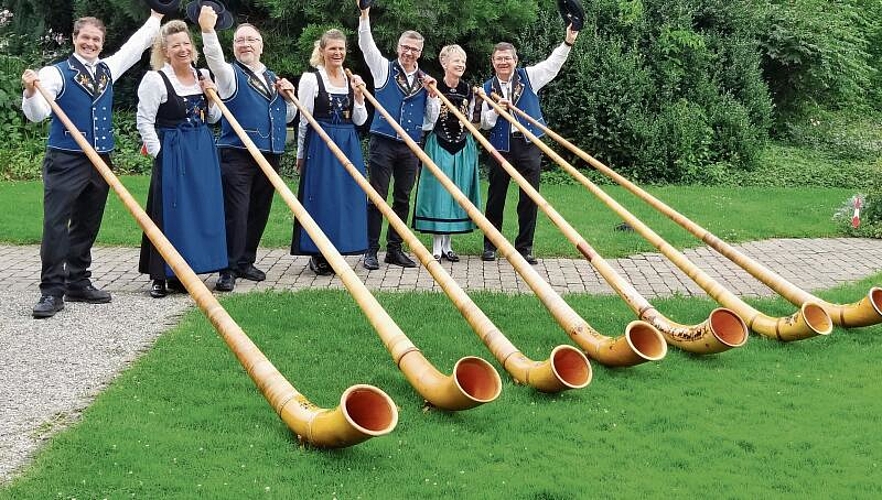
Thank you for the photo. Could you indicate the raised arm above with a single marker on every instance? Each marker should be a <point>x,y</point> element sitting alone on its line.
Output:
<point>130,52</point>
<point>547,70</point>
<point>378,64</point>
<point>224,75</point>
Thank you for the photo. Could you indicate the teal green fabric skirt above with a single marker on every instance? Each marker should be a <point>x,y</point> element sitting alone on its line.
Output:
<point>435,210</point>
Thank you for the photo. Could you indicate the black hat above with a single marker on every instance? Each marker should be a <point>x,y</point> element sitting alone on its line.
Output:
<point>164,6</point>
<point>224,18</point>
<point>364,4</point>
<point>572,13</point>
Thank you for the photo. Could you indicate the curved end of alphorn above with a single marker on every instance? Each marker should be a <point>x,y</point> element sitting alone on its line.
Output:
<point>646,341</point>
<point>810,321</point>
<point>565,369</point>
<point>641,342</point>
<point>721,331</point>
<point>477,380</point>
<point>866,312</point>
<point>365,412</point>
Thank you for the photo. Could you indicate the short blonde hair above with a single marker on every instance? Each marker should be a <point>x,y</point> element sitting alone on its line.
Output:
<point>316,59</point>
<point>451,50</point>
<point>160,43</point>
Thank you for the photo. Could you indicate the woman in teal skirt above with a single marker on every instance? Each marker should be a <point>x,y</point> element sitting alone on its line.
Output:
<point>452,148</point>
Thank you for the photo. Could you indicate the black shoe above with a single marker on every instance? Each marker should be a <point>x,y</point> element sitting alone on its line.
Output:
<point>250,272</point>
<point>226,282</point>
<point>320,266</point>
<point>175,286</point>
<point>437,258</point>
<point>450,255</point>
<point>88,294</point>
<point>397,257</point>
<point>529,258</point>
<point>47,306</point>
<point>158,289</point>
<point>488,256</point>
<point>371,262</point>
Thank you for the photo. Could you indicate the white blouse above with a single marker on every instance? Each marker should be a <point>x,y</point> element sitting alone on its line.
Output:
<point>306,94</point>
<point>152,93</point>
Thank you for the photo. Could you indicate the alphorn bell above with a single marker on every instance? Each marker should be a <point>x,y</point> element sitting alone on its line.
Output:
<point>866,312</point>
<point>364,412</point>
<point>641,342</point>
<point>566,368</point>
<point>474,380</point>
<point>722,330</point>
<point>811,320</point>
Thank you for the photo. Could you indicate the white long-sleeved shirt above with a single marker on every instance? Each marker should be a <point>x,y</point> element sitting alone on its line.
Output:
<point>152,93</point>
<point>225,75</point>
<point>37,109</point>
<point>306,94</point>
<point>379,65</point>
<point>540,75</point>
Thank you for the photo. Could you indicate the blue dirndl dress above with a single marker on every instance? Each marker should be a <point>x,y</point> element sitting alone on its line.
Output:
<point>185,198</point>
<point>327,191</point>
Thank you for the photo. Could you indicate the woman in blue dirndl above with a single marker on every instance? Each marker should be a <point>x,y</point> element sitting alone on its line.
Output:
<point>327,191</point>
<point>453,149</point>
<point>185,198</point>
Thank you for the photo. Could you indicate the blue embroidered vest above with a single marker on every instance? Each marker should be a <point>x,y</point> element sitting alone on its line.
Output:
<point>405,101</point>
<point>259,110</point>
<point>87,101</point>
<point>522,96</point>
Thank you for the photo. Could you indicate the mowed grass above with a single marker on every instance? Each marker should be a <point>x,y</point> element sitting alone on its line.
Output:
<point>797,420</point>
<point>734,214</point>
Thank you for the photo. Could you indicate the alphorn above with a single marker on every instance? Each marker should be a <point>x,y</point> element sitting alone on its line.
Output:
<point>566,368</point>
<point>474,380</point>
<point>364,412</point>
<point>809,321</point>
<point>722,330</point>
<point>866,312</point>
<point>641,341</point>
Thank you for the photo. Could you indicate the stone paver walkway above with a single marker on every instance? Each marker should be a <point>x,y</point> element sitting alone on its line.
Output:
<point>811,264</point>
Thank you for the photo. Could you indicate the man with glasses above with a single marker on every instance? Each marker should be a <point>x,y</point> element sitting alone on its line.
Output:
<point>519,88</point>
<point>399,86</point>
<point>254,95</point>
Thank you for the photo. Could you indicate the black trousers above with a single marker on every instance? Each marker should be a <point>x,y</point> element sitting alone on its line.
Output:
<point>248,198</point>
<point>74,196</point>
<point>390,159</point>
<point>526,158</point>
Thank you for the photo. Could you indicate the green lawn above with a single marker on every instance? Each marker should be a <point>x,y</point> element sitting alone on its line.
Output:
<point>798,420</point>
<point>735,214</point>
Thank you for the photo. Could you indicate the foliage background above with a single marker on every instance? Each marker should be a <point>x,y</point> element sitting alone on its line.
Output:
<point>682,91</point>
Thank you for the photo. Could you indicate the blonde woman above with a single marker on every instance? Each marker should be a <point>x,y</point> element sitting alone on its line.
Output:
<point>327,191</point>
<point>452,148</point>
<point>185,198</point>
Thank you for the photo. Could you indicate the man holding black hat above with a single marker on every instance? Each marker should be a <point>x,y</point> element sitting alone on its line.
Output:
<point>74,193</point>
<point>400,88</point>
<point>255,96</point>
<point>519,87</point>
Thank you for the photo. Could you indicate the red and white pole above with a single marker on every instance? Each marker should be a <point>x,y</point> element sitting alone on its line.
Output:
<point>856,217</point>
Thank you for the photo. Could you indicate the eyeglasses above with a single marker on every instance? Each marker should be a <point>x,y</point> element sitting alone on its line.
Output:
<point>503,58</point>
<point>408,48</point>
<point>250,40</point>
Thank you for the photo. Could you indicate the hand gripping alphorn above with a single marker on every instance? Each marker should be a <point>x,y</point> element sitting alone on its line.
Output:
<point>866,312</point>
<point>364,412</point>
<point>474,380</point>
<point>722,330</point>
<point>566,368</point>
<point>811,320</point>
<point>641,342</point>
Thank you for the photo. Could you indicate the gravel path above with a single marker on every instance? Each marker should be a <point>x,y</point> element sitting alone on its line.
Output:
<point>50,370</point>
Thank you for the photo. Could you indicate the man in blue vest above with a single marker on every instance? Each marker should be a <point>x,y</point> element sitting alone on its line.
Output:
<point>74,193</point>
<point>399,86</point>
<point>256,97</point>
<point>519,87</point>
